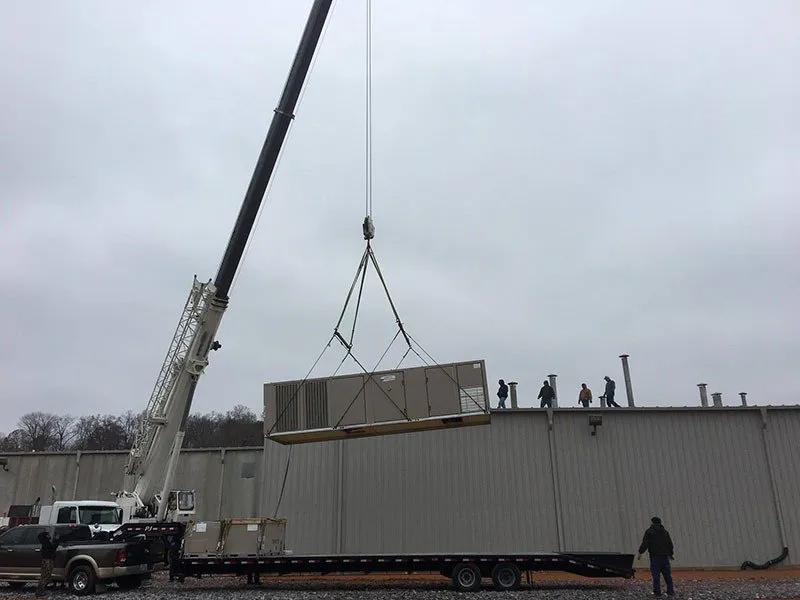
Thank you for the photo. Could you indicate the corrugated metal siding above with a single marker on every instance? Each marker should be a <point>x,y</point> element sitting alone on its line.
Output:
<point>202,467</point>
<point>490,488</point>
<point>783,435</point>
<point>310,501</point>
<point>704,474</point>
<point>451,490</point>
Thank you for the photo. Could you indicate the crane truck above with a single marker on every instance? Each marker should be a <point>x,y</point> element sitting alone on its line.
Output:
<point>158,510</point>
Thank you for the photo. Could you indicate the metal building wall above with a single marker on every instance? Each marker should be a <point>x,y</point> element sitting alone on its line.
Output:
<point>532,480</point>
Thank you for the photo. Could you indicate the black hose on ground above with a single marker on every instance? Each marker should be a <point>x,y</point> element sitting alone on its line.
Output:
<point>751,565</point>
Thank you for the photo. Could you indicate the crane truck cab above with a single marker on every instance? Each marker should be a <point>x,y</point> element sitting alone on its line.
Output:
<point>99,515</point>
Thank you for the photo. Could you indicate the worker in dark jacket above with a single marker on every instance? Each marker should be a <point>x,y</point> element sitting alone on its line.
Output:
<point>502,394</point>
<point>546,394</point>
<point>658,543</point>
<point>48,554</point>
<point>611,388</point>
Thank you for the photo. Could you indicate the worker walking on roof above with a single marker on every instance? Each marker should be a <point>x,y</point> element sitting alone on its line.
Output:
<point>658,543</point>
<point>48,554</point>
<point>502,394</point>
<point>610,389</point>
<point>585,396</point>
<point>546,394</point>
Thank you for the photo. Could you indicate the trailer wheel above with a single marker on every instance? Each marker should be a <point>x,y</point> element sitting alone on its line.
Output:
<point>506,576</point>
<point>467,577</point>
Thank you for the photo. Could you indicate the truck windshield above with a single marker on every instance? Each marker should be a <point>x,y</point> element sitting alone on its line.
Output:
<point>102,515</point>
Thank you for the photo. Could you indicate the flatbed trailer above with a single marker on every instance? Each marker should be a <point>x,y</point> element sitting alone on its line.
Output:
<point>465,570</point>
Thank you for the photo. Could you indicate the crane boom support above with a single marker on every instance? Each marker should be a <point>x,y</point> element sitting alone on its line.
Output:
<point>160,435</point>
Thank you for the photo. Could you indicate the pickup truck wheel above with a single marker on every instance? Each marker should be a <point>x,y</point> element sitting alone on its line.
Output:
<point>81,580</point>
<point>506,576</point>
<point>467,577</point>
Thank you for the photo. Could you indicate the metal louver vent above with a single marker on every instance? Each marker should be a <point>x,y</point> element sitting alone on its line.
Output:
<point>316,404</point>
<point>286,407</point>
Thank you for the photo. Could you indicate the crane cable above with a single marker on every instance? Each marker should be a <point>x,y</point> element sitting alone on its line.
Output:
<point>368,116</point>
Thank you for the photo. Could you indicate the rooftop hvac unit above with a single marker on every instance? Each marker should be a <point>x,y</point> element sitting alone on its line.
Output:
<point>386,402</point>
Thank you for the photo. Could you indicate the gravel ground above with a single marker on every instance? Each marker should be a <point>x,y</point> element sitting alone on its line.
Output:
<point>697,587</point>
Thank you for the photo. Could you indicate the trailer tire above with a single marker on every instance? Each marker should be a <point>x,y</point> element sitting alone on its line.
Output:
<point>467,577</point>
<point>506,577</point>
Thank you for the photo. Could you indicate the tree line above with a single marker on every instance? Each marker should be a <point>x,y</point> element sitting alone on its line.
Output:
<point>47,432</point>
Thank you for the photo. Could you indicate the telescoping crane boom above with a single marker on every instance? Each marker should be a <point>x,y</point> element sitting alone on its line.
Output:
<point>159,438</point>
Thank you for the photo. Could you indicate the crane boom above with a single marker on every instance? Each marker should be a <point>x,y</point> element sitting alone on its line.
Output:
<point>160,436</point>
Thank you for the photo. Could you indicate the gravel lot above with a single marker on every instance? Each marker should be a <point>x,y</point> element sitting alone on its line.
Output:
<point>698,586</point>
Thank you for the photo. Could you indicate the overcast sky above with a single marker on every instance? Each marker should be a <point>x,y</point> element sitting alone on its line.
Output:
<point>555,184</point>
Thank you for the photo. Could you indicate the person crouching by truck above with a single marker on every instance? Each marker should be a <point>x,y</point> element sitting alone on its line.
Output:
<point>48,554</point>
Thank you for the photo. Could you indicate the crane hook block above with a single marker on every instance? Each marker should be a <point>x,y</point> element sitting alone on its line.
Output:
<point>368,228</point>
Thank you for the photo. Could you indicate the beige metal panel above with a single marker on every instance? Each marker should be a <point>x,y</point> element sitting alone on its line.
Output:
<point>310,500</point>
<point>783,435</point>
<point>703,473</point>
<point>347,401</point>
<point>202,537</point>
<point>486,488</point>
<point>472,385</point>
<point>386,397</point>
<point>416,394</point>
<point>241,537</point>
<point>443,397</point>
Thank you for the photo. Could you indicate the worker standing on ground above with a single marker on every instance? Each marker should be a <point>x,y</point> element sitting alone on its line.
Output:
<point>502,394</point>
<point>546,394</point>
<point>48,553</point>
<point>585,396</point>
<point>658,543</point>
<point>610,389</point>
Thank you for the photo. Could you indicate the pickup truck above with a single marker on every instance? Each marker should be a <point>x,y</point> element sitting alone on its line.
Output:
<point>81,561</point>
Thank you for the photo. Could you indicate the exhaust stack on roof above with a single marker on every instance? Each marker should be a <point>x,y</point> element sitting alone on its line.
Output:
<point>552,379</point>
<point>626,372</point>
<point>717,397</point>
<point>513,387</point>
<point>743,396</point>
<point>703,394</point>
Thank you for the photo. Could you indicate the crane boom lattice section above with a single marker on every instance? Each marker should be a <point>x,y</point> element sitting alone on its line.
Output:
<point>158,407</point>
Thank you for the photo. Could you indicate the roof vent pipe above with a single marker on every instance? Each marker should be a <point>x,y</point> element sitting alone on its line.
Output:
<point>626,372</point>
<point>703,394</point>
<point>717,397</point>
<point>743,396</point>
<point>513,386</point>
<point>552,379</point>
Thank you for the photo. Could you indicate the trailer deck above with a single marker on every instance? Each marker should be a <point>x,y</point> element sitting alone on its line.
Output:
<point>465,569</point>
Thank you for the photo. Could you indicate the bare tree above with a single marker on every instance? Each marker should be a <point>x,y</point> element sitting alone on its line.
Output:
<point>63,432</point>
<point>39,431</point>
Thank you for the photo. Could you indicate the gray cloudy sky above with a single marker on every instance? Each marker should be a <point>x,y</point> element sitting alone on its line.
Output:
<point>555,184</point>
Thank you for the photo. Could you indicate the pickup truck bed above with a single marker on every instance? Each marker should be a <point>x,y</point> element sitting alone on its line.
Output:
<point>80,560</point>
